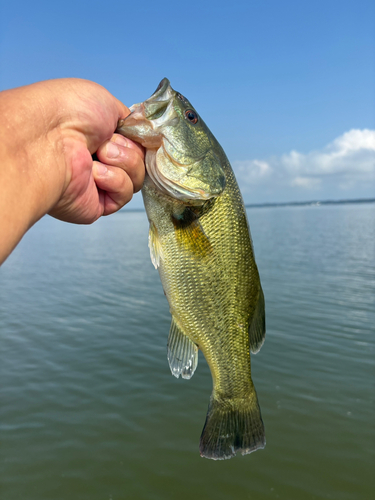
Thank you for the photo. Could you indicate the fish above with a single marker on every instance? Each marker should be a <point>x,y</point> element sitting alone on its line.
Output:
<point>200,242</point>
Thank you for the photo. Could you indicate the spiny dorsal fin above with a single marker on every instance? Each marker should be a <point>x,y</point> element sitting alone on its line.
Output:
<point>156,252</point>
<point>257,330</point>
<point>182,353</point>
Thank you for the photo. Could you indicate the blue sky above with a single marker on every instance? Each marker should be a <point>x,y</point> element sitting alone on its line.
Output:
<point>287,87</point>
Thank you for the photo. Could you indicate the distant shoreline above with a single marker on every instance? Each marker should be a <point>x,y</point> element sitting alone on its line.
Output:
<point>314,203</point>
<point>311,203</point>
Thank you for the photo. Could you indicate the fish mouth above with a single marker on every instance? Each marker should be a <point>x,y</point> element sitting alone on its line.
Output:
<point>162,88</point>
<point>156,105</point>
<point>159,107</point>
<point>146,119</point>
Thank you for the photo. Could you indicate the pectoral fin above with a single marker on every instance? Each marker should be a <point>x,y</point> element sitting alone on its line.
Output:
<point>156,252</point>
<point>182,353</point>
<point>257,330</point>
<point>190,234</point>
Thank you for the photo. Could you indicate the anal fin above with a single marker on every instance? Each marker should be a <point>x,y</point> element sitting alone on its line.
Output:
<point>182,353</point>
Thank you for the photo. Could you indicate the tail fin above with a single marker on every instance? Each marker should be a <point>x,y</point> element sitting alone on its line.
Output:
<point>232,426</point>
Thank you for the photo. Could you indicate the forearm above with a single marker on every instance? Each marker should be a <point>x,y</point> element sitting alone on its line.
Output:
<point>31,172</point>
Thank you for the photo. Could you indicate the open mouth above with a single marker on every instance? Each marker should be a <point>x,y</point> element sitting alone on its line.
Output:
<point>157,105</point>
<point>161,89</point>
<point>155,110</point>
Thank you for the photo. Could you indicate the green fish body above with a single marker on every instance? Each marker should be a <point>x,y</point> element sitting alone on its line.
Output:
<point>200,242</point>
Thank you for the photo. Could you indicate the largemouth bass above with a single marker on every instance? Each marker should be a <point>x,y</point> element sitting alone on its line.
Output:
<point>200,242</point>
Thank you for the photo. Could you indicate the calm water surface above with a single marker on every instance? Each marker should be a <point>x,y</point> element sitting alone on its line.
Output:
<point>90,411</point>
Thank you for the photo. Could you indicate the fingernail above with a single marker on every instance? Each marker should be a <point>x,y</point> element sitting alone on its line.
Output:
<point>120,139</point>
<point>112,150</point>
<point>101,169</point>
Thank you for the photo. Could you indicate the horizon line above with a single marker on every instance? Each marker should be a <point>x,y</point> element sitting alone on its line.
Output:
<point>282,204</point>
<point>310,203</point>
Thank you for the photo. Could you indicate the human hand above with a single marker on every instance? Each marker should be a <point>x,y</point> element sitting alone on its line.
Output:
<point>49,132</point>
<point>87,120</point>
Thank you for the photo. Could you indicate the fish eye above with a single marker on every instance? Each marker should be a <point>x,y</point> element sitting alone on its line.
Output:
<point>191,116</point>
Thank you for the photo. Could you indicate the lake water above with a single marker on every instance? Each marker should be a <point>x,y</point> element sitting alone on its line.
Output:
<point>90,411</point>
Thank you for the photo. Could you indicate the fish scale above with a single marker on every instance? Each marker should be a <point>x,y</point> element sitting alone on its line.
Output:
<point>200,242</point>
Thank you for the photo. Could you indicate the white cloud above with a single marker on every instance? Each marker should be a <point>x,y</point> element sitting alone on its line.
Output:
<point>253,170</point>
<point>306,182</point>
<point>347,163</point>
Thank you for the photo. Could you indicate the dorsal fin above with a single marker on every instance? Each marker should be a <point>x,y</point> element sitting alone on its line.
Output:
<point>182,353</point>
<point>257,329</point>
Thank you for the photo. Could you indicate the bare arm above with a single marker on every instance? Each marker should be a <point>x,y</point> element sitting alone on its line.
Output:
<point>48,133</point>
